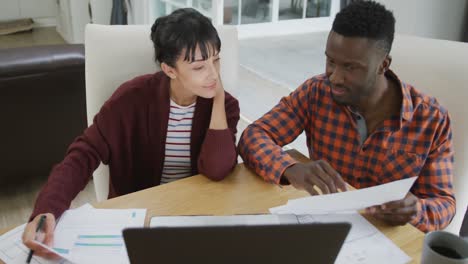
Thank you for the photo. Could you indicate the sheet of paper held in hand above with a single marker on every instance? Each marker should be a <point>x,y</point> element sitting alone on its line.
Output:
<point>347,201</point>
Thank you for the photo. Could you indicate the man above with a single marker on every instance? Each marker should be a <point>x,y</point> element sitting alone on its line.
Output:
<point>363,125</point>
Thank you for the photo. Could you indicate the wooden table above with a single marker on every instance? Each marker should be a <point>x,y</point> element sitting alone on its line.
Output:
<point>242,192</point>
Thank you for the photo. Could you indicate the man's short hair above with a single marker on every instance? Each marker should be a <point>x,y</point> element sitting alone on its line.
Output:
<point>366,19</point>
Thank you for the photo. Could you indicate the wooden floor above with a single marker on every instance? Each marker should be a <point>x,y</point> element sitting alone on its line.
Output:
<point>16,204</point>
<point>38,36</point>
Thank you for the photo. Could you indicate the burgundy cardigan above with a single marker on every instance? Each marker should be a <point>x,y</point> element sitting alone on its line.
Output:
<point>129,135</point>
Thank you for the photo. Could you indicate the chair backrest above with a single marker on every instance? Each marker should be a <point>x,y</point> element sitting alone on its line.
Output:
<point>115,54</point>
<point>439,68</point>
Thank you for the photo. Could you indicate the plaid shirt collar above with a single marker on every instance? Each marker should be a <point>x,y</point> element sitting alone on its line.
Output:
<point>407,110</point>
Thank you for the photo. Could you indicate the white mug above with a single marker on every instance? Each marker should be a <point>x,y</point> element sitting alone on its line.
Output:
<point>441,247</point>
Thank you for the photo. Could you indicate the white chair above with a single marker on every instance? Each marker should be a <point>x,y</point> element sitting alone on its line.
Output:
<point>115,54</point>
<point>440,69</point>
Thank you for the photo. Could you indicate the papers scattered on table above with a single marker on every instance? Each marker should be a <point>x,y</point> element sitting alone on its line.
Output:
<point>364,243</point>
<point>13,251</point>
<point>347,201</point>
<point>83,235</point>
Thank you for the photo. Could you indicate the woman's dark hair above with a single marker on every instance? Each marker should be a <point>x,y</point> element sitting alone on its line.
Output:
<point>183,29</point>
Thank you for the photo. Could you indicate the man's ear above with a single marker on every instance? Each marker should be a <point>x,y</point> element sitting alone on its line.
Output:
<point>385,65</point>
<point>169,71</point>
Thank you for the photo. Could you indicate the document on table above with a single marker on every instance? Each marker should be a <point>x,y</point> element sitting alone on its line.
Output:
<point>364,243</point>
<point>349,200</point>
<point>13,251</point>
<point>84,235</point>
<point>95,235</point>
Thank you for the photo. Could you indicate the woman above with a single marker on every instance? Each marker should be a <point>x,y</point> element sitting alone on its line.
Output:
<point>155,128</point>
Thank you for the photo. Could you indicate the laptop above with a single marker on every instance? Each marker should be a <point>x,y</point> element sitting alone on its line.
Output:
<point>270,243</point>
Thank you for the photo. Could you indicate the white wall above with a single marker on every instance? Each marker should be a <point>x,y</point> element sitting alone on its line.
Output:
<point>102,10</point>
<point>440,19</point>
<point>9,9</point>
<point>72,18</point>
<point>43,12</point>
<point>140,13</point>
<point>38,9</point>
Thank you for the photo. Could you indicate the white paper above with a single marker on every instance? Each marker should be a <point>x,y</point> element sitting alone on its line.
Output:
<point>373,249</point>
<point>95,235</point>
<point>13,251</point>
<point>82,235</point>
<point>360,227</point>
<point>364,243</point>
<point>64,256</point>
<point>347,201</point>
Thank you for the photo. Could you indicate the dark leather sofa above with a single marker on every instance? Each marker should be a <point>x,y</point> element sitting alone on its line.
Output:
<point>42,108</point>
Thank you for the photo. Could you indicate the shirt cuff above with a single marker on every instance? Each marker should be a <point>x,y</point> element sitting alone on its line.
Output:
<point>416,220</point>
<point>288,163</point>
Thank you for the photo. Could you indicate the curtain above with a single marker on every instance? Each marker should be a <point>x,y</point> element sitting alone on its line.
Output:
<point>119,12</point>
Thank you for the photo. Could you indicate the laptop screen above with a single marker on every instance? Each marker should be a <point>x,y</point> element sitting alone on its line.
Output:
<point>290,243</point>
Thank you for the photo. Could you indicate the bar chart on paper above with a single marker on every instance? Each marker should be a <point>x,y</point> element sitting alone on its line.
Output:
<point>108,242</point>
<point>93,247</point>
<point>95,235</point>
<point>84,235</point>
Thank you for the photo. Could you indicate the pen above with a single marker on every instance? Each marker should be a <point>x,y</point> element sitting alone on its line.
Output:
<point>39,226</point>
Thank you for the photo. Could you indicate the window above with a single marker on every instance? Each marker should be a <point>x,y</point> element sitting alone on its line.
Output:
<point>285,15</point>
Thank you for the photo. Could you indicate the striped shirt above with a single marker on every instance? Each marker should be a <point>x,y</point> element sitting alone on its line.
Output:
<point>418,141</point>
<point>177,163</point>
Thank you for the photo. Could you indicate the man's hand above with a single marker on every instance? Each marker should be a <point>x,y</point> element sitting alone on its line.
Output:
<point>46,236</point>
<point>396,212</point>
<point>315,173</point>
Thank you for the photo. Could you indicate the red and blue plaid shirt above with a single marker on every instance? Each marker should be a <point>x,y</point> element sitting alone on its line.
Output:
<point>418,142</point>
